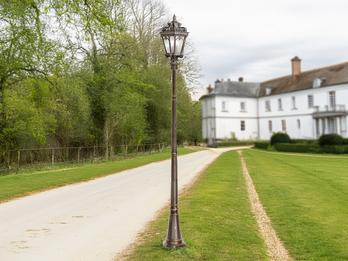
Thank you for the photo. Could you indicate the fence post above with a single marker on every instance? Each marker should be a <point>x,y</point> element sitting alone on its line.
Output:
<point>19,157</point>
<point>67,154</point>
<point>78,155</point>
<point>126,151</point>
<point>137,150</point>
<point>52,156</point>
<point>9,158</point>
<point>93,153</point>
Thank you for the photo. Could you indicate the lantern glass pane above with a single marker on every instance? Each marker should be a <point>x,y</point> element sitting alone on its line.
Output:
<point>179,45</point>
<point>166,44</point>
<point>172,45</point>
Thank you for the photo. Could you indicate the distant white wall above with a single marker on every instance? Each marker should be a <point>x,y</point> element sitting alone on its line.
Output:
<point>307,128</point>
<point>229,119</point>
<point>222,115</point>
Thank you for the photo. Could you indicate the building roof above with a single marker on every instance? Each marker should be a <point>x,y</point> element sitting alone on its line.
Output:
<point>330,75</point>
<point>326,76</point>
<point>235,89</point>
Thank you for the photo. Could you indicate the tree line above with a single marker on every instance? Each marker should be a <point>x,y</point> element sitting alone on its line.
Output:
<point>90,72</point>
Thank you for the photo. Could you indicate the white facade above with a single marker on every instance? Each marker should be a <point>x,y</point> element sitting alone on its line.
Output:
<point>302,114</point>
<point>302,121</point>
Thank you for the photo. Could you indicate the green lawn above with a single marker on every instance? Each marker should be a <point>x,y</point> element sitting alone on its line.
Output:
<point>216,220</point>
<point>307,200</point>
<point>22,184</point>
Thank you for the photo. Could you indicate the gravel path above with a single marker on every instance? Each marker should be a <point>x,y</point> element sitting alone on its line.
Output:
<point>275,249</point>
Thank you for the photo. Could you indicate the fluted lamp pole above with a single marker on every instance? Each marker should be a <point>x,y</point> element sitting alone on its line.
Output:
<point>174,37</point>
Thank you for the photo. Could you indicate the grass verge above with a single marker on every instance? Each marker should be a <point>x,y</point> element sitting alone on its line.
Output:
<point>22,184</point>
<point>216,220</point>
<point>306,199</point>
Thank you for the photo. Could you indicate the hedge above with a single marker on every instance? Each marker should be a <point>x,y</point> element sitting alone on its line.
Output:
<point>302,141</point>
<point>338,149</point>
<point>262,144</point>
<point>234,143</point>
<point>291,147</point>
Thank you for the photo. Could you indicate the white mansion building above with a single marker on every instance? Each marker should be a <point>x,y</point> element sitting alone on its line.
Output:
<point>303,104</point>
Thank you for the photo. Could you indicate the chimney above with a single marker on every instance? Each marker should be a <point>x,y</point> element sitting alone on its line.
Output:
<point>210,89</point>
<point>240,79</point>
<point>296,66</point>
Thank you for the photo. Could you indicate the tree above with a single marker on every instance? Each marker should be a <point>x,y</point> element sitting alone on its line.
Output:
<point>25,52</point>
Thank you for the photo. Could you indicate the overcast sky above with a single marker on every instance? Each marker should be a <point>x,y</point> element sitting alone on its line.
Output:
<point>256,39</point>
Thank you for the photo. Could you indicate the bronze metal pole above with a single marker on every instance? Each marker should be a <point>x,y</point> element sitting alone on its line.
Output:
<point>174,238</point>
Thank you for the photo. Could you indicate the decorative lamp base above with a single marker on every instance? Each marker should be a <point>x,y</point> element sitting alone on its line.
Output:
<point>174,244</point>
<point>174,238</point>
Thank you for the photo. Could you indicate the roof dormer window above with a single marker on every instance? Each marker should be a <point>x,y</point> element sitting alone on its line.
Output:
<point>269,90</point>
<point>317,82</point>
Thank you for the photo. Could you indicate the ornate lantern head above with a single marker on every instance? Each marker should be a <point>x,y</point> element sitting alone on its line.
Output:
<point>174,37</point>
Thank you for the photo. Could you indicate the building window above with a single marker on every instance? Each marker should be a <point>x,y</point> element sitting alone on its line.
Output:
<point>293,102</point>
<point>242,125</point>
<point>310,101</point>
<point>332,125</point>
<point>343,124</point>
<point>283,125</point>
<point>268,106</point>
<point>280,107</point>
<point>270,126</point>
<point>224,106</point>
<point>298,124</point>
<point>242,106</point>
<point>332,100</point>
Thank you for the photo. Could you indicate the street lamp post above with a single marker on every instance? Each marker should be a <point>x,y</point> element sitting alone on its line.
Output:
<point>174,37</point>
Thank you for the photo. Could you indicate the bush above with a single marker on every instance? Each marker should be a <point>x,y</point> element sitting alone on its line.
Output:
<point>280,138</point>
<point>261,144</point>
<point>345,141</point>
<point>330,139</point>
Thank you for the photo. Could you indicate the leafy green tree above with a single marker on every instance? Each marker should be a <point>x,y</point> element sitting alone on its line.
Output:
<point>89,72</point>
<point>25,52</point>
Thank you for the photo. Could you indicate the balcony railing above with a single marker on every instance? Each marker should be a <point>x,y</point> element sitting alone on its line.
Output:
<point>329,111</point>
<point>327,108</point>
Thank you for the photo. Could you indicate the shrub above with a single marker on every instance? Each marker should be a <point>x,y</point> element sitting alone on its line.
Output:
<point>330,139</point>
<point>261,144</point>
<point>345,141</point>
<point>280,138</point>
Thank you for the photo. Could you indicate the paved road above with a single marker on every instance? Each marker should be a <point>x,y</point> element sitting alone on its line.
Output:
<point>94,220</point>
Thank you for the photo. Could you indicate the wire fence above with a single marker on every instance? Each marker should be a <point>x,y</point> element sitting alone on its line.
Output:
<point>18,158</point>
